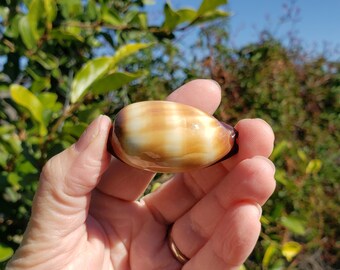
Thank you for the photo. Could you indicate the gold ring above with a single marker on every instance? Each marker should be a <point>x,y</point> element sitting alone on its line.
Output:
<point>175,251</point>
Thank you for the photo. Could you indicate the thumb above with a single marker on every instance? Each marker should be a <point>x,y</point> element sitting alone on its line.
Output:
<point>67,180</point>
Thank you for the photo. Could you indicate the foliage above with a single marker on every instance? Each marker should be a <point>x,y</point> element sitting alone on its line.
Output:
<point>300,97</point>
<point>64,62</point>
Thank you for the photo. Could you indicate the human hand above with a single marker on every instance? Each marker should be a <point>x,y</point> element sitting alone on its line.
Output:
<point>86,213</point>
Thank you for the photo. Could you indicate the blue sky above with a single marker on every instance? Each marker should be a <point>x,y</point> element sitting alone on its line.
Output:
<point>318,24</point>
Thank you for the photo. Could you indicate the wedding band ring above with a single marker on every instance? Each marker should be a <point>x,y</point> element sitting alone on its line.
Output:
<point>175,251</point>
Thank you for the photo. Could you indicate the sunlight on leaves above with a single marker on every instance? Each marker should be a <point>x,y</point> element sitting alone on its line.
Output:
<point>290,250</point>
<point>209,5</point>
<point>89,73</point>
<point>96,69</point>
<point>128,50</point>
<point>294,224</point>
<point>27,99</point>
<point>270,251</point>
<point>114,81</point>
<point>5,253</point>
<point>314,166</point>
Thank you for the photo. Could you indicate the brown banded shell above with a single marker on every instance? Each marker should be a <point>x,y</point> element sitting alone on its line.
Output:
<point>164,136</point>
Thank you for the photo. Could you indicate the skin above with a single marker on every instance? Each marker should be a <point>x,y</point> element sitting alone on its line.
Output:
<point>88,212</point>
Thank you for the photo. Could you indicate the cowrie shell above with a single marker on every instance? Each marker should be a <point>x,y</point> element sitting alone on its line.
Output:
<point>164,136</point>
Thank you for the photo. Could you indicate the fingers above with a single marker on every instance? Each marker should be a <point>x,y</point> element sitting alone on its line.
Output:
<point>202,94</point>
<point>68,179</point>
<point>232,241</point>
<point>251,182</point>
<point>127,183</point>
<point>123,181</point>
<point>256,138</point>
<point>176,197</point>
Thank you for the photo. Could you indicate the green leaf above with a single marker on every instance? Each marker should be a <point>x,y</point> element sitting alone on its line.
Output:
<point>114,81</point>
<point>3,87</point>
<point>93,42</point>
<point>314,166</point>
<point>30,26</point>
<point>278,264</point>
<point>66,33</point>
<point>48,100</point>
<point>70,8</point>
<point>171,18</point>
<point>111,17</point>
<point>26,167</point>
<point>294,224</point>
<point>143,20</point>
<point>279,149</point>
<point>27,99</point>
<point>3,156</point>
<point>139,20</point>
<point>186,15</point>
<point>270,251</point>
<point>98,68</point>
<point>48,61</point>
<point>264,220</point>
<point>92,10</point>
<point>50,104</point>
<point>11,195</point>
<point>211,15</point>
<point>41,84</point>
<point>290,250</point>
<point>13,179</point>
<point>6,129</point>
<point>4,11</point>
<point>13,29</point>
<point>74,130</point>
<point>5,253</point>
<point>149,2</point>
<point>302,155</point>
<point>210,5</point>
<point>128,50</point>
<point>130,16</point>
<point>11,142</point>
<point>281,177</point>
<point>35,13</point>
<point>50,8</point>
<point>88,74</point>
<point>26,33</point>
<point>155,186</point>
<point>88,113</point>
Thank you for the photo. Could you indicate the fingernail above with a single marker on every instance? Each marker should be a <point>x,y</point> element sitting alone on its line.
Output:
<point>219,86</point>
<point>89,134</point>
<point>268,161</point>
<point>259,208</point>
<point>262,120</point>
<point>270,129</point>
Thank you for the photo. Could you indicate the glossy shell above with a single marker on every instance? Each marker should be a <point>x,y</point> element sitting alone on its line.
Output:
<point>163,136</point>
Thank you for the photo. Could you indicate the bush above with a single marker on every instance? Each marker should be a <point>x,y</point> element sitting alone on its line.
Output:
<point>299,96</point>
<point>64,62</point>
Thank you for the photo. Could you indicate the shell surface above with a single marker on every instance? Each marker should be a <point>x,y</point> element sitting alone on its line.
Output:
<point>164,136</point>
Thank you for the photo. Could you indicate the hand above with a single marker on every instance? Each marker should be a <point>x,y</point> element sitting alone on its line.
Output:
<point>86,213</point>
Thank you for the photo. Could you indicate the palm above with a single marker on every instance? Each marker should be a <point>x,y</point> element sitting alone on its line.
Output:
<point>129,234</point>
<point>132,238</point>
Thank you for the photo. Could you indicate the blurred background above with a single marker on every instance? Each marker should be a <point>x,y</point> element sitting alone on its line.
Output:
<point>64,62</point>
